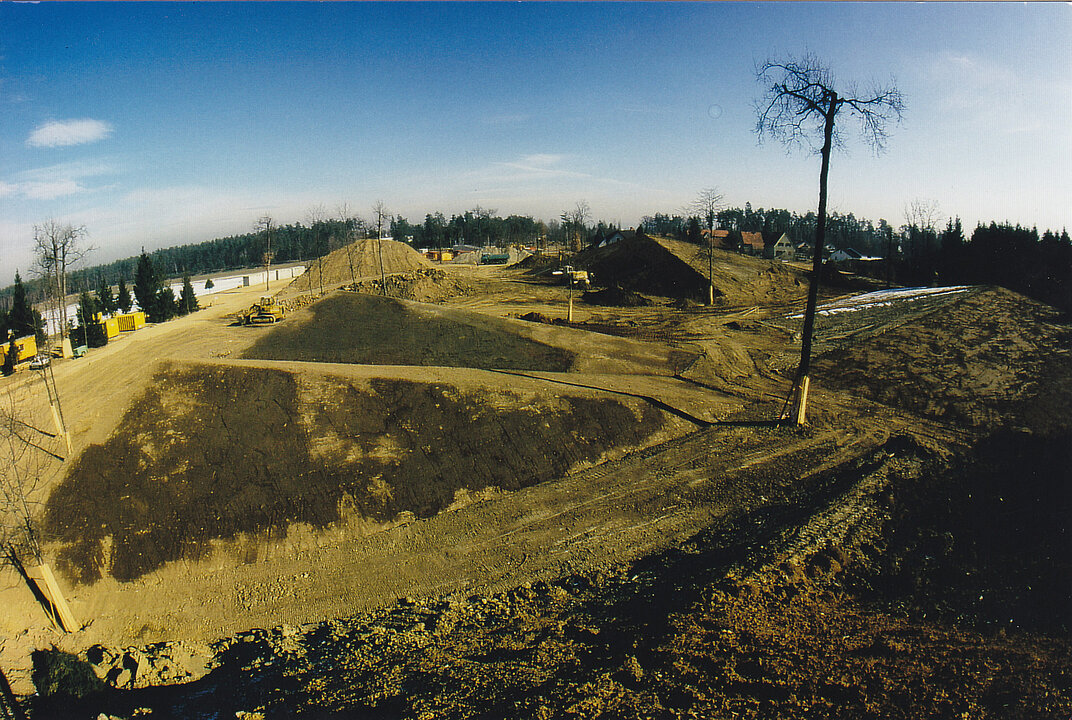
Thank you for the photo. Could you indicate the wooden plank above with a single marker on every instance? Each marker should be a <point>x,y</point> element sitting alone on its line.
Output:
<point>46,583</point>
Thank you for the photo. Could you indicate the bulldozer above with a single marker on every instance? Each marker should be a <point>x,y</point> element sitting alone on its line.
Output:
<point>264,312</point>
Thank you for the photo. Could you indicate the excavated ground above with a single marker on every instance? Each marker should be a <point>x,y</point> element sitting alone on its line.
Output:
<point>904,556</point>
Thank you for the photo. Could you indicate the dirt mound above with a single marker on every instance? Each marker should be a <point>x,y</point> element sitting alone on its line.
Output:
<point>615,297</point>
<point>989,358</point>
<point>358,260</point>
<point>755,617</point>
<point>429,285</point>
<point>676,269</point>
<point>213,453</point>
<point>539,264</point>
<point>374,330</point>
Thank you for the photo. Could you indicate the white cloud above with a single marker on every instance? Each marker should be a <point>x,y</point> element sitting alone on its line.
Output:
<point>55,181</point>
<point>50,190</point>
<point>62,133</point>
<point>69,170</point>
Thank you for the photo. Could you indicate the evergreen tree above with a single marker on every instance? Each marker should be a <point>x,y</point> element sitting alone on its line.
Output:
<point>164,306</point>
<point>148,291</point>
<point>22,319</point>
<point>187,300</point>
<point>89,331</point>
<point>123,301</point>
<point>105,299</point>
<point>694,233</point>
<point>10,357</point>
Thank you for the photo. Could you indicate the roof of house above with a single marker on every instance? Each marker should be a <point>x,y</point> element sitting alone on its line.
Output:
<point>752,239</point>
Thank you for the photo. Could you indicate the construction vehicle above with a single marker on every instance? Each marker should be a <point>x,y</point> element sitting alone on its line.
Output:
<point>573,277</point>
<point>264,312</point>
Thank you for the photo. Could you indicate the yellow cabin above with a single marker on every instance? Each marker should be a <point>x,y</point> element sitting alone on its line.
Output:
<point>27,347</point>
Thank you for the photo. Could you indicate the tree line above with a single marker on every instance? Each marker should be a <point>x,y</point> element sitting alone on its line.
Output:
<point>917,253</point>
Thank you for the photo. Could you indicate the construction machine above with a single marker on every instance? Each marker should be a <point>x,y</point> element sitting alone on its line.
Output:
<point>264,312</point>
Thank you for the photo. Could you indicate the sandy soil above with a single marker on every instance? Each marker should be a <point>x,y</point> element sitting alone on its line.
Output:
<point>703,564</point>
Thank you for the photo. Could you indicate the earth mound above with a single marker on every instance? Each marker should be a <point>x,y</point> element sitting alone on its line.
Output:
<point>989,358</point>
<point>214,453</point>
<point>360,259</point>
<point>374,330</point>
<point>428,285</point>
<point>671,268</point>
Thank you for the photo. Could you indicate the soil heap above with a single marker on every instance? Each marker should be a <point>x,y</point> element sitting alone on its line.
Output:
<point>427,285</point>
<point>358,260</point>
<point>671,268</point>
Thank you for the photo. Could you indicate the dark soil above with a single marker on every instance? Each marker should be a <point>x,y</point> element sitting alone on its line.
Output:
<point>369,330</point>
<point>210,452</point>
<point>988,359</point>
<point>641,265</point>
<point>615,297</point>
<point>729,624</point>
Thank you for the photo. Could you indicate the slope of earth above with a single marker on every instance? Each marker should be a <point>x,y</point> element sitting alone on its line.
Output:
<point>777,610</point>
<point>428,285</point>
<point>671,268</point>
<point>359,259</point>
<point>987,356</point>
<point>374,330</point>
<point>213,452</point>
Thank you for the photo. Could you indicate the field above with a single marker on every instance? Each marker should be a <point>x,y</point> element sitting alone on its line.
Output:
<point>423,505</point>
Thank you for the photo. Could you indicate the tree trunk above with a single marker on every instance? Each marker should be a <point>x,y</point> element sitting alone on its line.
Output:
<point>801,384</point>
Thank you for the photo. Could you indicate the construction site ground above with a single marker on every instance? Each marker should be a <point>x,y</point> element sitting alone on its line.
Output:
<point>385,508</point>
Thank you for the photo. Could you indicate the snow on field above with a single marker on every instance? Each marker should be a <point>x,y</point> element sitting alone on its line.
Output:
<point>882,298</point>
<point>248,278</point>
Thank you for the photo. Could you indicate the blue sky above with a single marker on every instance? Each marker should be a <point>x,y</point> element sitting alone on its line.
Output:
<point>159,124</point>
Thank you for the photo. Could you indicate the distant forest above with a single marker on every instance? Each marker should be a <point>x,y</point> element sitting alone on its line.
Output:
<point>1018,258</point>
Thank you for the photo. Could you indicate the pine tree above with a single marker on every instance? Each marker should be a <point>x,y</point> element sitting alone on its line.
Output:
<point>10,357</point>
<point>89,331</point>
<point>21,319</point>
<point>147,290</point>
<point>122,300</point>
<point>164,306</point>
<point>105,298</point>
<point>187,300</point>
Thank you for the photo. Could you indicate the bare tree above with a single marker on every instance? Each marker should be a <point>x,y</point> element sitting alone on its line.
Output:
<point>923,214</point>
<point>58,247</point>
<point>706,207</point>
<point>800,102</point>
<point>575,222</point>
<point>380,211</point>
<point>354,224</point>
<point>264,224</point>
<point>316,217</point>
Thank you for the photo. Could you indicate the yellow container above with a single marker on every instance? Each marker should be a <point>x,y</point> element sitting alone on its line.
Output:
<point>110,327</point>
<point>27,349</point>
<point>130,322</point>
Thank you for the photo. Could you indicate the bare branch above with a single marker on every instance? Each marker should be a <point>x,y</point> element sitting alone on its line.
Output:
<point>801,95</point>
<point>706,206</point>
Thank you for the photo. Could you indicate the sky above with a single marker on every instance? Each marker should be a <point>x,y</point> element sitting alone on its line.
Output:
<point>154,125</point>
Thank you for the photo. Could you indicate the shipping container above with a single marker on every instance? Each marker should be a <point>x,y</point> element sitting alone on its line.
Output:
<point>130,322</point>
<point>110,327</point>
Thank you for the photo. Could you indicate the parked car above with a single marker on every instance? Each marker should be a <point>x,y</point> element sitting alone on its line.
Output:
<point>40,362</point>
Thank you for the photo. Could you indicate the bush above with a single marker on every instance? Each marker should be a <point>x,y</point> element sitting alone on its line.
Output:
<point>59,674</point>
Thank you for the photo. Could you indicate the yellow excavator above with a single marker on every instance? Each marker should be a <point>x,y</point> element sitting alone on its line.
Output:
<point>264,312</point>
